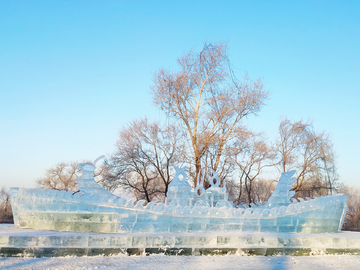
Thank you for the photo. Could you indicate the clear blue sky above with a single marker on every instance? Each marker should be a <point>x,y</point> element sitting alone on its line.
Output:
<point>72,73</point>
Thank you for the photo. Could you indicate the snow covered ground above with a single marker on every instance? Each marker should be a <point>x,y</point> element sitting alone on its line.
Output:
<point>185,262</point>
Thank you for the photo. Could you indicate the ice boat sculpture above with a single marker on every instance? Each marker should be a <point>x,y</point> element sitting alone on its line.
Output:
<point>93,209</point>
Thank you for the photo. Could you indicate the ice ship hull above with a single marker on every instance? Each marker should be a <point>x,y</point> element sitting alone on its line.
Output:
<point>95,210</point>
<point>62,211</point>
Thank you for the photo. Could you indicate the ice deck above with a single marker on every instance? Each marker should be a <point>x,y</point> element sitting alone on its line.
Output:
<point>38,243</point>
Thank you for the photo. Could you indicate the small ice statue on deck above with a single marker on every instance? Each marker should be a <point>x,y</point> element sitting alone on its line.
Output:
<point>181,193</point>
<point>86,182</point>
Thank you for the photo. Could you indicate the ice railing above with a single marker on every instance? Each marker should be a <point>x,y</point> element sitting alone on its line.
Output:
<point>102,198</point>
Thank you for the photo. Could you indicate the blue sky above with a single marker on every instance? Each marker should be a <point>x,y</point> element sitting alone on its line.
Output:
<point>72,73</point>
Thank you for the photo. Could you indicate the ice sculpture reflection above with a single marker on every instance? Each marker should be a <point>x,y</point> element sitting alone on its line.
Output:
<point>93,209</point>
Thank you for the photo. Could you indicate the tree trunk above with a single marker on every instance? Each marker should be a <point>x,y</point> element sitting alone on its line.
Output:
<point>198,168</point>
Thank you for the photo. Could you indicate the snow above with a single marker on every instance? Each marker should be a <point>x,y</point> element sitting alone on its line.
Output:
<point>184,262</point>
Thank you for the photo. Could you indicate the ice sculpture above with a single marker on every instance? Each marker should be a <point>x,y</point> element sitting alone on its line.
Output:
<point>93,209</point>
<point>86,182</point>
<point>180,192</point>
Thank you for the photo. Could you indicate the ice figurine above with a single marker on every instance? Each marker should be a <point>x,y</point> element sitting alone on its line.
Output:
<point>86,182</point>
<point>179,189</point>
<point>93,209</point>
<point>181,193</point>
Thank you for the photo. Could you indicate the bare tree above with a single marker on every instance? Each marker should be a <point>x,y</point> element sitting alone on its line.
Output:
<point>60,177</point>
<point>207,99</point>
<point>326,172</point>
<point>352,220</point>
<point>211,161</point>
<point>6,215</point>
<point>300,147</point>
<point>252,155</point>
<point>315,147</point>
<point>291,138</point>
<point>63,176</point>
<point>262,189</point>
<point>144,158</point>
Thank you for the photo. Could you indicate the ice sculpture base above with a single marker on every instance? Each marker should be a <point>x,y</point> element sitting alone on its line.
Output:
<point>37,243</point>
